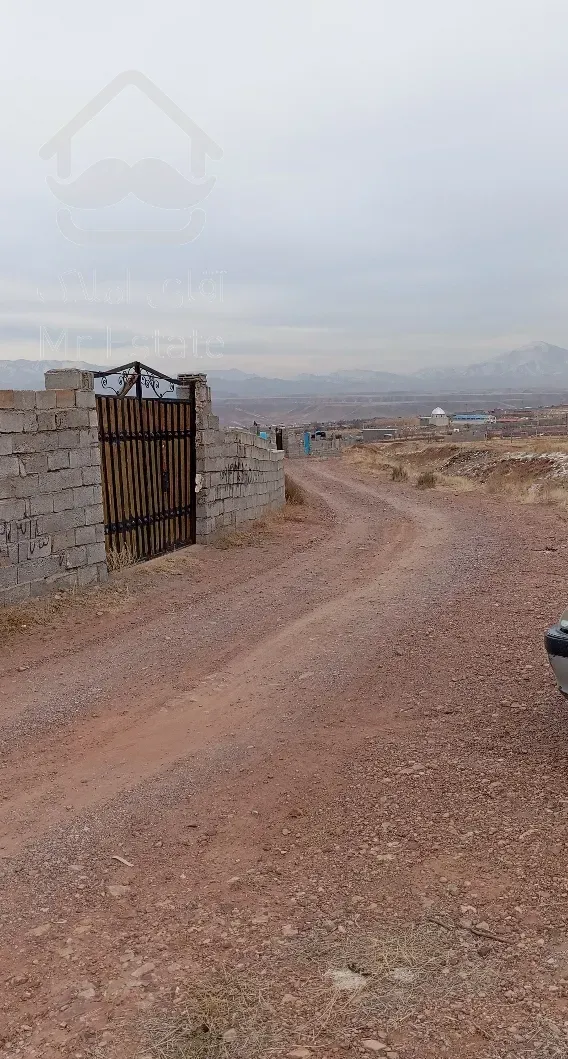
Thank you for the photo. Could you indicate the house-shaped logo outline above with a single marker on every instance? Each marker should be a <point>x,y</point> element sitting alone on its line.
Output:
<point>202,146</point>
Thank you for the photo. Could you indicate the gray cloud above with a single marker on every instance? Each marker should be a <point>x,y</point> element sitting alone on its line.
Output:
<point>392,192</point>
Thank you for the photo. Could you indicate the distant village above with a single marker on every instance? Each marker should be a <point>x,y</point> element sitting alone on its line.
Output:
<point>472,426</point>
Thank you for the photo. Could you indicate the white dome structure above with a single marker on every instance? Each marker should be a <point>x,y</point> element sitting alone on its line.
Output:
<point>438,418</point>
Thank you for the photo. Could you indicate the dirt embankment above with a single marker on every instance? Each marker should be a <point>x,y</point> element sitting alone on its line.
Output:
<point>534,471</point>
<point>304,797</point>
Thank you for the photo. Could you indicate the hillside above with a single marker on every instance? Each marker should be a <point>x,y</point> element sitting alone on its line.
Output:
<point>535,367</point>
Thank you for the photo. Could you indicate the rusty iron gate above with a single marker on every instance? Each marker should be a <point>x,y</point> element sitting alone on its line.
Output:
<point>147,441</point>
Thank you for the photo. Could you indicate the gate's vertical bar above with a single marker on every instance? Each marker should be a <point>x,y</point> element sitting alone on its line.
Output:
<point>157,421</point>
<point>122,468</point>
<point>144,413</point>
<point>133,405</point>
<point>102,408</point>
<point>128,473</point>
<point>192,464</point>
<point>180,490</point>
<point>167,480</point>
<point>154,461</point>
<point>114,460</point>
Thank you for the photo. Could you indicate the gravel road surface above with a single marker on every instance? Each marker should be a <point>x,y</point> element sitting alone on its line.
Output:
<point>304,797</point>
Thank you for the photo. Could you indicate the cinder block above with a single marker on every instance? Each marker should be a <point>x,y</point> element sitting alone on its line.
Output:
<point>71,418</point>
<point>42,504</point>
<point>11,510</point>
<point>88,575</point>
<point>27,486</point>
<point>96,553</point>
<point>69,439</point>
<point>102,572</point>
<point>63,501</point>
<point>32,462</point>
<point>61,542</point>
<point>99,533</point>
<point>36,442</point>
<point>76,557</point>
<point>69,379</point>
<point>80,457</point>
<point>6,445</point>
<point>16,594</point>
<point>9,465</point>
<point>24,400</point>
<point>84,495</point>
<point>7,399</point>
<point>64,398</point>
<point>85,399</point>
<point>8,576</point>
<point>86,535</point>
<point>11,422</point>
<point>46,420</point>
<point>45,399</point>
<point>91,475</point>
<point>94,514</point>
<point>58,460</point>
<point>39,569</point>
<point>63,582</point>
<point>55,481</point>
<point>93,419</point>
<point>63,521</point>
<point>88,437</point>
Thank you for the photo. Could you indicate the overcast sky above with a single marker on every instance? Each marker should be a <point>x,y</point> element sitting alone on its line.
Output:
<point>392,191</point>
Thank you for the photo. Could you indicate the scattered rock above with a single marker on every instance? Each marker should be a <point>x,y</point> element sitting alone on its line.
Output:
<point>39,932</point>
<point>117,889</point>
<point>345,980</point>
<point>229,1036</point>
<point>299,1053</point>
<point>372,1045</point>
<point>289,931</point>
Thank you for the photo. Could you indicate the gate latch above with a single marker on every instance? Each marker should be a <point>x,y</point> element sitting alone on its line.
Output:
<point>165,481</point>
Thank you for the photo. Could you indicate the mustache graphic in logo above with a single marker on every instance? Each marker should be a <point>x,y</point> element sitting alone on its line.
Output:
<point>152,181</point>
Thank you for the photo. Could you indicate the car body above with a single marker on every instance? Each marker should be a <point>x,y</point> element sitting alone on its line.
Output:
<point>556,643</point>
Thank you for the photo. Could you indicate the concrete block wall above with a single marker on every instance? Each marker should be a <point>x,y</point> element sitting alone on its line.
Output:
<point>51,514</point>
<point>293,441</point>
<point>240,475</point>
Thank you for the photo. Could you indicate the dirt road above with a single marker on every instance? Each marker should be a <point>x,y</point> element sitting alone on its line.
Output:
<point>303,797</point>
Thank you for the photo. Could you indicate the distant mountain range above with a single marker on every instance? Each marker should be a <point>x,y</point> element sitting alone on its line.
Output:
<point>537,366</point>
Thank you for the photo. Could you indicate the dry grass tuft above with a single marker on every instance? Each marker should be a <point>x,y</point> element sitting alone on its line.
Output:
<point>258,532</point>
<point>100,600</point>
<point>120,558</point>
<point>399,474</point>
<point>426,480</point>
<point>339,988</point>
<point>295,494</point>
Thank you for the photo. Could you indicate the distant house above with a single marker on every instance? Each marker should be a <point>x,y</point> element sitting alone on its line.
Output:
<point>439,419</point>
<point>474,418</point>
<point>379,433</point>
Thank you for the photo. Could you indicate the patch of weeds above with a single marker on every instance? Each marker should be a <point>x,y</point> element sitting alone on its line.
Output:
<point>399,474</point>
<point>120,558</point>
<point>426,480</point>
<point>294,493</point>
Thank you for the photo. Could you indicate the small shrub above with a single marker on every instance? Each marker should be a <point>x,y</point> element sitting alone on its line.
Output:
<point>426,480</point>
<point>399,474</point>
<point>118,559</point>
<point>294,492</point>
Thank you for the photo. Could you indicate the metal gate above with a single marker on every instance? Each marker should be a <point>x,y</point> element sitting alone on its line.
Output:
<point>147,442</point>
